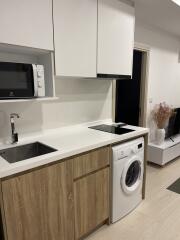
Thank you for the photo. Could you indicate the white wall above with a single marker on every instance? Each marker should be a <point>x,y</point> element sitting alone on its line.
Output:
<point>83,100</point>
<point>80,101</point>
<point>164,68</point>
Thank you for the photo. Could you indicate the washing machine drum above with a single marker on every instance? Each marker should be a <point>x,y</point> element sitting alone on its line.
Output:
<point>132,175</point>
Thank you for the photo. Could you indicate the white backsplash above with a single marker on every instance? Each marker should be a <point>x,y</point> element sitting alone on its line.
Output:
<point>80,101</point>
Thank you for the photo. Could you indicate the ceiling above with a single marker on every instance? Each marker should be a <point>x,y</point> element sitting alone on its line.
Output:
<point>163,14</point>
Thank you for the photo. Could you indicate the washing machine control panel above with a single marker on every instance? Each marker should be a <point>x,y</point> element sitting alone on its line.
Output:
<point>138,147</point>
<point>123,153</point>
<point>135,149</point>
<point>127,151</point>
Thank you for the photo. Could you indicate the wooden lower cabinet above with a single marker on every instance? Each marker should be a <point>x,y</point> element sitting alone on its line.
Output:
<point>39,205</point>
<point>91,202</point>
<point>63,201</point>
<point>1,228</point>
<point>91,161</point>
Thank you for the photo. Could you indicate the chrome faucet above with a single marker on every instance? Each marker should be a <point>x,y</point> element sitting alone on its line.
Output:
<point>14,134</point>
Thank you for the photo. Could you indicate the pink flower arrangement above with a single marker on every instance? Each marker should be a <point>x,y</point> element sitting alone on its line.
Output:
<point>161,114</point>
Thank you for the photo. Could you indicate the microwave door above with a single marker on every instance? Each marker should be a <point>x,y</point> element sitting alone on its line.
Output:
<point>16,80</point>
<point>35,80</point>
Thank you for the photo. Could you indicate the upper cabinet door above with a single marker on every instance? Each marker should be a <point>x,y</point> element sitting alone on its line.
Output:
<point>27,23</point>
<point>116,22</point>
<point>75,37</point>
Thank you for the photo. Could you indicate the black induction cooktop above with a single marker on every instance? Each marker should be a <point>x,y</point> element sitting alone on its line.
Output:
<point>115,129</point>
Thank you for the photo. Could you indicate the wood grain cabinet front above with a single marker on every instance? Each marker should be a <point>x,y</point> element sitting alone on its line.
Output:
<point>91,161</point>
<point>63,201</point>
<point>91,200</point>
<point>39,205</point>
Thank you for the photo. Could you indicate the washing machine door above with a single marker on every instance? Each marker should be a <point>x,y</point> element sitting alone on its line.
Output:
<point>132,175</point>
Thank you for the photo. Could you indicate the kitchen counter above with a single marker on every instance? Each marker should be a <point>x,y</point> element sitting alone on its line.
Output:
<point>68,141</point>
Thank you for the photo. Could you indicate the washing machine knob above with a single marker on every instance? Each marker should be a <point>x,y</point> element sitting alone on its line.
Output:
<point>121,154</point>
<point>135,150</point>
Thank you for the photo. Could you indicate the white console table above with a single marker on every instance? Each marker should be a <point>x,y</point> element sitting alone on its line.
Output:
<point>166,152</point>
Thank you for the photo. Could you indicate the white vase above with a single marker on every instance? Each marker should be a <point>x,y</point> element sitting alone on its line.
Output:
<point>160,136</point>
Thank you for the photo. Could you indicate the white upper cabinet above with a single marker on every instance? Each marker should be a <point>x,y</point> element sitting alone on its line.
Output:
<point>27,23</point>
<point>75,37</point>
<point>116,22</point>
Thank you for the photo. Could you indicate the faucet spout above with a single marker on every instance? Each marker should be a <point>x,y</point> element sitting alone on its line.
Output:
<point>14,134</point>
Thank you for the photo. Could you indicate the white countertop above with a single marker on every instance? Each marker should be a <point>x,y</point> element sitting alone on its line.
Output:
<point>68,141</point>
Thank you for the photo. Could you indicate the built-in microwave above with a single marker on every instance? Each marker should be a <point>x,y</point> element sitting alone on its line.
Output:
<point>21,80</point>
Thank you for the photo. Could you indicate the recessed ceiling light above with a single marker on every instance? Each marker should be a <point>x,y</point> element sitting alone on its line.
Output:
<point>176,1</point>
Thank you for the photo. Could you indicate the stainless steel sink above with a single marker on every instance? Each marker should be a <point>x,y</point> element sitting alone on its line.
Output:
<point>23,152</point>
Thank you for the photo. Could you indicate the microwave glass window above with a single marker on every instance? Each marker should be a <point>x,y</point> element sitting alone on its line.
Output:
<point>16,80</point>
<point>13,80</point>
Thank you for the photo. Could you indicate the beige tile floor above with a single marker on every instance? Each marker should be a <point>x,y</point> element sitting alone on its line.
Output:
<point>157,217</point>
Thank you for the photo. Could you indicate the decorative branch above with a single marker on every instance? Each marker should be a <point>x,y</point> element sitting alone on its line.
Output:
<point>161,114</point>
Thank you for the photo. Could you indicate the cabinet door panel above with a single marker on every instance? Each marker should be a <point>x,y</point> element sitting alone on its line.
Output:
<point>115,37</point>
<point>39,205</point>
<point>91,161</point>
<point>75,36</point>
<point>91,196</point>
<point>27,23</point>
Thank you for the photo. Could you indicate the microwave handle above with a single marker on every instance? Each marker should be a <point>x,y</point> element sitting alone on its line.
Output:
<point>35,80</point>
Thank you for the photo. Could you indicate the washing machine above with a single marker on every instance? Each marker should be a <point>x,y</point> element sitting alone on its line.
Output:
<point>128,171</point>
